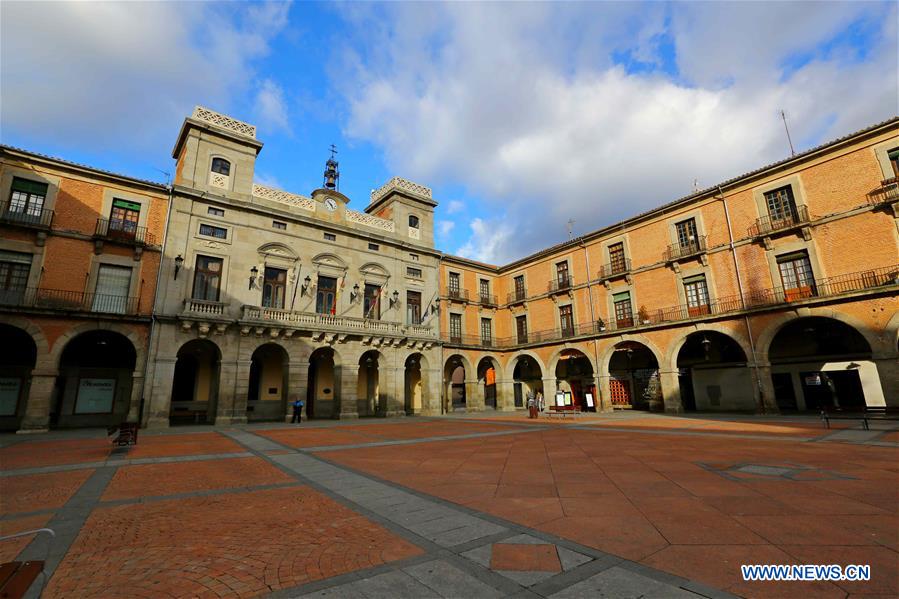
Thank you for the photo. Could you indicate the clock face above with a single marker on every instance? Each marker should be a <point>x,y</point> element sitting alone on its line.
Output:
<point>330,204</point>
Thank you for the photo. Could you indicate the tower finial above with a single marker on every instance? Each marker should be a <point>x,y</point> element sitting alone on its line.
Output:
<point>332,173</point>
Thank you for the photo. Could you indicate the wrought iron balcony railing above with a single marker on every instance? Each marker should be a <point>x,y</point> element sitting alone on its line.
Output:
<point>457,294</point>
<point>516,296</point>
<point>790,219</point>
<point>615,269</point>
<point>487,299</point>
<point>887,193</point>
<point>69,301</point>
<point>121,231</point>
<point>37,218</point>
<point>560,283</point>
<point>678,251</point>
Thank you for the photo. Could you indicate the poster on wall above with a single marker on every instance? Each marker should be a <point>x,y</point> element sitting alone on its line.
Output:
<point>560,398</point>
<point>95,396</point>
<point>568,398</point>
<point>9,395</point>
<point>589,399</point>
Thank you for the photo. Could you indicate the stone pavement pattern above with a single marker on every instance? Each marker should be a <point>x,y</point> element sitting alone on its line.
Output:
<point>457,507</point>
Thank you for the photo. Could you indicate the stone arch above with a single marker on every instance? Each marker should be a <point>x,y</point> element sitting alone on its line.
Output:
<point>369,399</point>
<point>64,339</point>
<point>512,362</point>
<point>195,382</point>
<point>18,360</point>
<point>606,357</point>
<point>456,392</point>
<point>675,346</point>
<point>487,383</point>
<point>329,260</point>
<point>573,379</point>
<point>890,345</point>
<point>522,387</point>
<point>269,370</point>
<point>770,332</point>
<point>553,361</point>
<point>712,372</point>
<point>37,335</point>
<point>324,382</point>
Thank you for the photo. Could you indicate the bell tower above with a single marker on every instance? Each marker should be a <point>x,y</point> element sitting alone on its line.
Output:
<point>332,171</point>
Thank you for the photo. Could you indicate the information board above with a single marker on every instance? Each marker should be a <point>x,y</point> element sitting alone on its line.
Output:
<point>589,398</point>
<point>95,396</point>
<point>9,395</point>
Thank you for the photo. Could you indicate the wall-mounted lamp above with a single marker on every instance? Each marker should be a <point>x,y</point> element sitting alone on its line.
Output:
<point>306,282</point>
<point>706,346</point>
<point>254,272</point>
<point>179,261</point>
<point>395,299</point>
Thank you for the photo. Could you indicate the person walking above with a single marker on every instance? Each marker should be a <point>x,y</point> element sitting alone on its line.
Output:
<point>541,405</point>
<point>532,405</point>
<point>297,410</point>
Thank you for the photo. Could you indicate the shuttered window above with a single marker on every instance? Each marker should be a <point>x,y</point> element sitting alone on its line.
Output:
<point>27,197</point>
<point>113,285</point>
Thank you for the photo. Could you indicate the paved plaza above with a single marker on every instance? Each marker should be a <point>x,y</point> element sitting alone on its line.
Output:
<point>620,505</point>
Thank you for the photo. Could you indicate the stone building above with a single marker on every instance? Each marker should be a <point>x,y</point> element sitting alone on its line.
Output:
<point>79,255</point>
<point>775,290</point>
<point>266,295</point>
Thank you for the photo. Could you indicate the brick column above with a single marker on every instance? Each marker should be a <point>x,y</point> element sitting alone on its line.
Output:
<point>37,406</point>
<point>349,377</point>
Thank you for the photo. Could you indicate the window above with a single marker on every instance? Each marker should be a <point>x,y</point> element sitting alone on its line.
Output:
<point>207,278</point>
<point>413,257</point>
<point>519,288</point>
<point>456,328</point>
<point>413,221</point>
<point>781,205</point>
<point>371,304</point>
<point>274,287</point>
<point>454,284</point>
<point>796,276</point>
<point>330,237</point>
<point>326,295</point>
<point>374,247</point>
<point>113,285</point>
<point>562,277</point>
<point>211,211</point>
<point>521,327</point>
<point>686,233</point>
<point>624,316</point>
<point>697,293</point>
<point>415,273</point>
<point>617,262</point>
<point>279,225</point>
<point>217,232</point>
<point>484,288</point>
<point>566,320</point>
<point>413,307</point>
<point>221,166</point>
<point>123,218</point>
<point>894,160</point>
<point>27,198</point>
<point>14,269</point>
<point>486,331</point>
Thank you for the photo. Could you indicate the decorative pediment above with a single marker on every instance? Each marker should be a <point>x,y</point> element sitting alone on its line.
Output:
<point>278,250</point>
<point>330,265</point>
<point>374,272</point>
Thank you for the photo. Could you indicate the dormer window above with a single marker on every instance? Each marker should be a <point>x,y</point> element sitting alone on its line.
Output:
<point>413,221</point>
<point>221,166</point>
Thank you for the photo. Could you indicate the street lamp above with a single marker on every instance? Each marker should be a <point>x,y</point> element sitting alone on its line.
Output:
<point>179,261</point>
<point>254,272</point>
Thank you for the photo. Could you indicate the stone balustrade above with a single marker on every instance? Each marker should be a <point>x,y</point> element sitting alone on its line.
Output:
<point>331,323</point>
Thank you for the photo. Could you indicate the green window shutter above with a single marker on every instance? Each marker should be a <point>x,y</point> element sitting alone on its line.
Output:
<point>893,154</point>
<point>620,297</point>
<point>126,205</point>
<point>26,186</point>
<point>792,256</point>
<point>694,279</point>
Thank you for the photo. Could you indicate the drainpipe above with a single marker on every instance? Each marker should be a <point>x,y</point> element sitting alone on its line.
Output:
<point>593,318</point>
<point>442,371</point>
<point>733,253</point>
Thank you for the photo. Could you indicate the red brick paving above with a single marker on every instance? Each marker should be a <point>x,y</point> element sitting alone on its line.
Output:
<point>230,545</point>
<point>316,437</point>
<point>525,558</point>
<point>645,498</point>
<point>32,454</point>
<point>35,492</point>
<point>11,548</point>
<point>171,445</point>
<point>184,477</point>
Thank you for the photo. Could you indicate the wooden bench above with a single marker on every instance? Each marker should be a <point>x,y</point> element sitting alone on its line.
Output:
<point>555,411</point>
<point>865,414</point>
<point>125,434</point>
<point>17,577</point>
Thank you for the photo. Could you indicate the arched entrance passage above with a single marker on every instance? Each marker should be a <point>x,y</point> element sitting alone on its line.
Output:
<point>321,391</point>
<point>95,379</point>
<point>368,396</point>
<point>267,392</point>
<point>487,369</point>
<point>455,375</point>
<point>574,380</point>
<point>413,384</point>
<point>526,378</point>
<point>18,355</point>
<point>713,374</point>
<point>634,377</point>
<point>196,383</point>
<point>819,362</point>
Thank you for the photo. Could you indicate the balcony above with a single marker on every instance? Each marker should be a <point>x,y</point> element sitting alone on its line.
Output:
<point>561,284</point>
<point>205,307</point>
<point>792,219</point>
<point>517,296</point>
<point>124,232</point>
<point>682,251</point>
<point>614,270</point>
<point>457,295</point>
<point>331,323</point>
<point>487,300</point>
<point>33,218</point>
<point>69,301</point>
<point>886,194</point>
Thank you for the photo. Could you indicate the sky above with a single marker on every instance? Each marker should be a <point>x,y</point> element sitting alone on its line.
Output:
<point>520,116</point>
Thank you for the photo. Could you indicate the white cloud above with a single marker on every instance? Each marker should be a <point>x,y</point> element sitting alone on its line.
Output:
<point>271,109</point>
<point>121,74</point>
<point>523,106</point>
<point>444,227</point>
<point>454,206</point>
<point>267,180</point>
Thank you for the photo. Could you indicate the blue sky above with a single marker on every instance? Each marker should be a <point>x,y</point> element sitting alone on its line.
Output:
<point>519,116</point>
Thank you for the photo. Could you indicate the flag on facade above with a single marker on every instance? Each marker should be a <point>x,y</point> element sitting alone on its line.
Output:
<point>375,302</point>
<point>337,295</point>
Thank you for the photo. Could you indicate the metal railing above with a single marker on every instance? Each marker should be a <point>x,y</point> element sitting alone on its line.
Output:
<point>69,301</point>
<point>40,218</point>
<point>518,295</point>
<point>560,283</point>
<point>612,269</point>
<point>887,193</point>
<point>121,231</point>
<point>676,251</point>
<point>457,294</point>
<point>487,299</point>
<point>793,217</point>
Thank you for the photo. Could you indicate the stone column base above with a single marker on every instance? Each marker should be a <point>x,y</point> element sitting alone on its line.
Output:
<point>157,423</point>
<point>30,431</point>
<point>347,416</point>
<point>226,420</point>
